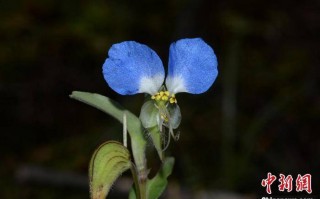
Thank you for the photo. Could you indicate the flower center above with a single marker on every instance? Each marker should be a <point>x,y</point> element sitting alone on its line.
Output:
<point>164,96</point>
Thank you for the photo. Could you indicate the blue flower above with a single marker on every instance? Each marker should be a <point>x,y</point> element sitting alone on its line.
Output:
<point>135,68</point>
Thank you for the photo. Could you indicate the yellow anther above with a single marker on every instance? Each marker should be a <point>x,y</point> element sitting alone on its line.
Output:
<point>173,100</point>
<point>165,98</point>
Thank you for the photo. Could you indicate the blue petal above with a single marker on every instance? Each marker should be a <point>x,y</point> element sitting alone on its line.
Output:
<point>133,68</point>
<point>192,66</point>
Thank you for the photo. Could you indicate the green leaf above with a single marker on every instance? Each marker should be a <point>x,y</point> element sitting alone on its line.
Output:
<point>158,183</point>
<point>135,128</point>
<point>132,193</point>
<point>107,163</point>
<point>156,137</point>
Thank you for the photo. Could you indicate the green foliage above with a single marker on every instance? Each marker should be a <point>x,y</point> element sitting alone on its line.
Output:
<point>155,135</point>
<point>107,163</point>
<point>158,183</point>
<point>132,194</point>
<point>112,158</point>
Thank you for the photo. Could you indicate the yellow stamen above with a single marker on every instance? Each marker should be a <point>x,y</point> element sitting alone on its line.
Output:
<point>164,98</point>
<point>173,99</point>
<point>158,97</point>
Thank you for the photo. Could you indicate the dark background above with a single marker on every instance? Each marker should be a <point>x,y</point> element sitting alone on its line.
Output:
<point>261,115</point>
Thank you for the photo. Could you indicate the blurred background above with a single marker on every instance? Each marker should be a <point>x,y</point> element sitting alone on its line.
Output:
<point>261,115</point>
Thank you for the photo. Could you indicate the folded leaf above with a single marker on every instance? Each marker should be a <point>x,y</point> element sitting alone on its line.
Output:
<point>107,163</point>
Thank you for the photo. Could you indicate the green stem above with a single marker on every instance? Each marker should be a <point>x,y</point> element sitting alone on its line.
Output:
<point>140,181</point>
<point>135,180</point>
<point>143,189</point>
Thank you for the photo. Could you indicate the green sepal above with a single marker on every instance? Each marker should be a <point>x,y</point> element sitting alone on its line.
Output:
<point>158,183</point>
<point>149,114</point>
<point>175,115</point>
<point>107,163</point>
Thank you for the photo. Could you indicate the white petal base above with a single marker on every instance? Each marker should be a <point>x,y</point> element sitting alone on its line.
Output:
<point>151,85</point>
<point>175,85</point>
